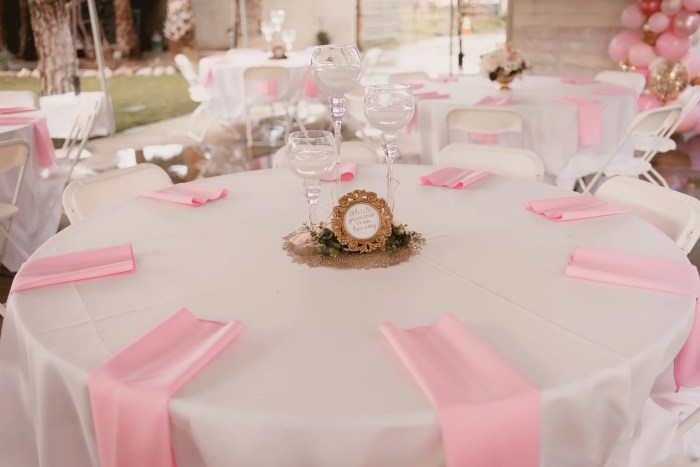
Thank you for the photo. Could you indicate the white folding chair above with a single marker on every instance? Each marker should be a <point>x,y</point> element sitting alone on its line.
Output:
<point>19,99</point>
<point>676,214</point>
<point>262,75</point>
<point>87,196</point>
<point>73,149</point>
<point>350,151</point>
<point>408,77</point>
<point>509,162</point>
<point>198,93</point>
<point>14,154</point>
<point>628,79</point>
<point>478,119</point>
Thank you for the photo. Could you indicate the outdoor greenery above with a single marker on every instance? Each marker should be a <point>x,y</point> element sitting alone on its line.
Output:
<point>137,100</point>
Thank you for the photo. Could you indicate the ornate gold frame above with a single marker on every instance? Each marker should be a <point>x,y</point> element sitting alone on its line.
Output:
<point>345,238</point>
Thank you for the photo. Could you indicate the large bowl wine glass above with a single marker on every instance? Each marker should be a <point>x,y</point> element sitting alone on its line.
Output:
<point>311,154</point>
<point>268,29</point>
<point>388,108</point>
<point>336,70</point>
<point>277,18</point>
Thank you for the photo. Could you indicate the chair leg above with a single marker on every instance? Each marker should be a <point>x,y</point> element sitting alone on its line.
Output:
<point>12,241</point>
<point>249,131</point>
<point>660,179</point>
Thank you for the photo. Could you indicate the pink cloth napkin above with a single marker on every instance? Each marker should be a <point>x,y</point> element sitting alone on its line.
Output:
<point>309,89</point>
<point>74,267</point>
<point>188,193</point>
<point>613,91</point>
<point>129,392</point>
<point>347,172</point>
<point>647,273</point>
<point>46,156</point>
<point>415,86</point>
<point>14,110</point>
<point>577,80</point>
<point>453,177</point>
<point>589,115</point>
<point>205,67</point>
<point>489,414</point>
<point>571,208</point>
<point>490,138</point>
<point>420,96</point>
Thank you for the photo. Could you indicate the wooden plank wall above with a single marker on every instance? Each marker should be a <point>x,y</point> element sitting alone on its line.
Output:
<point>566,37</point>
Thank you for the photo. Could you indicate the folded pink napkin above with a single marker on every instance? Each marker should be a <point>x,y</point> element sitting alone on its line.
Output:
<point>613,91</point>
<point>577,80</point>
<point>453,177</point>
<point>447,79</point>
<point>188,193</point>
<point>205,67</point>
<point>14,110</point>
<point>589,115</point>
<point>415,85</point>
<point>347,172</point>
<point>74,267</point>
<point>309,89</point>
<point>489,414</point>
<point>490,138</point>
<point>420,96</point>
<point>43,146</point>
<point>129,392</point>
<point>646,272</point>
<point>571,208</point>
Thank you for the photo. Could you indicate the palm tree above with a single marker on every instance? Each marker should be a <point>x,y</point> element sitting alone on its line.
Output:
<point>179,25</point>
<point>127,41</point>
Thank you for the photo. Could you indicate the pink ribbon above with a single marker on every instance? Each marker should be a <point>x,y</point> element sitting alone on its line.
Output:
<point>420,96</point>
<point>189,194</point>
<point>489,414</point>
<point>589,115</point>
<point>453,177</point>
<point>571,208</point>
<point>46,156</point>
<point>129,392</point>
<point>490,138</point>
<point>347,172</point>
<point>648,273</point>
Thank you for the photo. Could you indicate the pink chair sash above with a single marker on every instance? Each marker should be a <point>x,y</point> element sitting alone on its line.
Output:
<point>267,88</point>
<point>489,414</point>
<point>490,138</point>
<point>189,194</point>
<point>74,267</point>
<point>420,96</point>
<point>309,89</point>
<point>205,67</point>
<point>129,392</point>
<point>571,208</point>
<point>453,177</point>
<point>347,172</point>
<point>589,115</point>
<point>647,273</point>
<point>46,156</point>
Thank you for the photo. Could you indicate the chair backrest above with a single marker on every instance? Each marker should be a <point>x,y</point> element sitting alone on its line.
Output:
<point>655,122</point>
<point>258,80</point>
<point>510,162</point>
<point>483,119</point>
<point>688,100</point>
<point>87,196</point>
<point>674,213</point>
<point>628,79</point>
<point>19,99</point>
<point>14,153</point>
<point>408,77</point>
<point>186,69</point>
<point>88,110</point>
<point>350,151</point>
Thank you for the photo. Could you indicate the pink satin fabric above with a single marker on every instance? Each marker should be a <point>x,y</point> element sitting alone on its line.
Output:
<point>489,414</point>
<point>46,156</point>
<point>647,273</point>
<point>205,67</point>
<point>589,115</point>
<point>14,110</point>
<point>490,138</point>
<point>577,80</point>
<point>74,267</point>
<point>189,194</point>
<point>571,208</point>
<point>420,96</point>
<point>453,177</point>
<point>129,393</point>
<point>613,91</point>
<point>347,172</point>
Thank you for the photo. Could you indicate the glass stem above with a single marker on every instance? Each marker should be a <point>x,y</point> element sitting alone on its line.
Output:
<point>390,146</point>
<point>336,105</point>
<point>312,190</point>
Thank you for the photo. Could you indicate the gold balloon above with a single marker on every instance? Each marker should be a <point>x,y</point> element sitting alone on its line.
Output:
<point>668,79</point>
<point>649,36</point>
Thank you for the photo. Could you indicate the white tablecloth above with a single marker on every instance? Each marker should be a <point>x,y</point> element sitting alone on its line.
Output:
<point>39,199</point>
<point>227,86</point>
<point>311,382</point>
<point>550,128</point>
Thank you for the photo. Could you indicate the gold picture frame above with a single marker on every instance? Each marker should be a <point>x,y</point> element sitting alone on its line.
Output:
<point>361,221</point>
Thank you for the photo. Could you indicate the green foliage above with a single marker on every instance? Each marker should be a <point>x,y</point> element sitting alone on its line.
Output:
<point>322,38</point>
<point>5,59</point>
<point>328,244</point>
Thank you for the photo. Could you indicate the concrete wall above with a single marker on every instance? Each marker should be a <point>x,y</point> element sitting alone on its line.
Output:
<point>566,37</point>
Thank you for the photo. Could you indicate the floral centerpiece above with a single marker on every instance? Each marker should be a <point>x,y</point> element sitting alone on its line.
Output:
<point>503,65</point>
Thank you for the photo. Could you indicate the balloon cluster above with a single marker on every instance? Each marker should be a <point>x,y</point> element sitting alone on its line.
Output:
<point>656,43</point>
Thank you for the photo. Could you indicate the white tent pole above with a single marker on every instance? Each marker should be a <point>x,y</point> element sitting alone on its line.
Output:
<point>244,23</point>
<point>232,32</point>
<point>452,22</point>
<point>95,25</point>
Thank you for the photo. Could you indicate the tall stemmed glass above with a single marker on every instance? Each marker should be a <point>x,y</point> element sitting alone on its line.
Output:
<point>288,37</point>
<point>310,154</point>
<point>277,18</point>
<point>389,107</point>
<point>336,70</point>
<point>268,29</point>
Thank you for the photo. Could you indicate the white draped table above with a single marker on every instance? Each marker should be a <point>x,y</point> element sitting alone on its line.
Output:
<point>311,381</point>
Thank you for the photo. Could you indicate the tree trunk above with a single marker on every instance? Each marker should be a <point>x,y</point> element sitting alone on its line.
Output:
<point>23,27</point>
<point>127,41</point>
<point>58,63</point>
<point>179,25</point>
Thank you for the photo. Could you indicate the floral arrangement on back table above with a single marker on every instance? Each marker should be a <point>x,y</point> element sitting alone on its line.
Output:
<point>504,62</point>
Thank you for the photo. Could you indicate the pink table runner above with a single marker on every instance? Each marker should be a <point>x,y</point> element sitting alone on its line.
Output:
<point>490,138</point>
<point>347,172</point>
<point>453,177</point>
<point>589,115</point>
<point>189,194</point>
<point>647,273</point>
<point>571,208</point>
<point>46,156</point>
<point>489,414</point>
<point>129,393</point>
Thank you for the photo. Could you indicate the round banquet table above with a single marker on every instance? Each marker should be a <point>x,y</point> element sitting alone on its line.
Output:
<point>311,381</point>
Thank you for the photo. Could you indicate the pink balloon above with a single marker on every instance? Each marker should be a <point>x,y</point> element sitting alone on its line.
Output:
<point>671,47</point>
<point>658,22</point>
<point>692,63</point>
<point>692,5</point>
<point>671,7</point>
<point>685,23</point>
<point>632,17</point>
<point>620,44</point>
<point>641,54</point>
<point>648,102</point>
<point>691,120</point>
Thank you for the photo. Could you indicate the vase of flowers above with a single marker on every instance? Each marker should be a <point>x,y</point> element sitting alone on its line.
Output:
<point>503,65</point>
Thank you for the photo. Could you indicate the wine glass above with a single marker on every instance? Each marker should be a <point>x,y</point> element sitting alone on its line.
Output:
<point>311,154</point>
<point>288,37</point>
<point>336,70</point>
<point>277,18</point>
<point>388,108</point>
<point>268,29</point>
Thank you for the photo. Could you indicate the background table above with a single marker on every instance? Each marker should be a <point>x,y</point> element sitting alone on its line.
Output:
<point>311,381</point>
